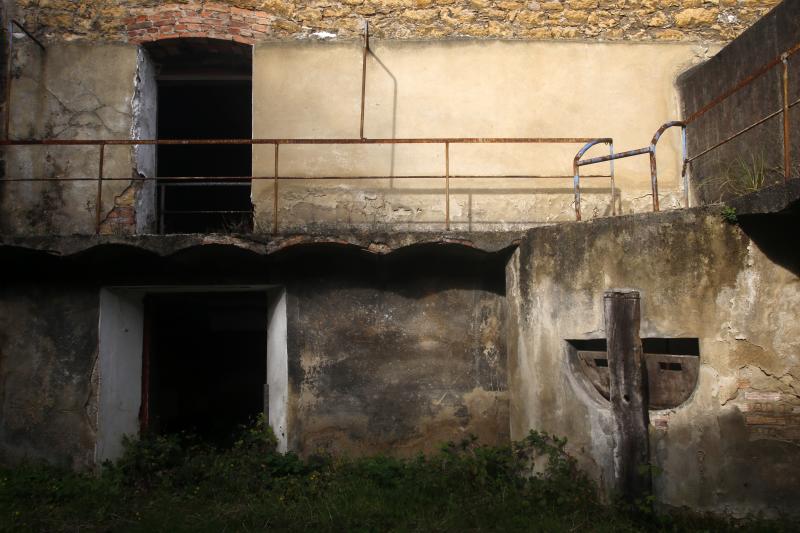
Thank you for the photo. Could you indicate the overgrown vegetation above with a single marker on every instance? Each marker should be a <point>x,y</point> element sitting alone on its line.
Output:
<point>743,176</point>
<point>177,484</point>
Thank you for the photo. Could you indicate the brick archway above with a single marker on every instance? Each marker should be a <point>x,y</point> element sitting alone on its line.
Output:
<point>213,21</point>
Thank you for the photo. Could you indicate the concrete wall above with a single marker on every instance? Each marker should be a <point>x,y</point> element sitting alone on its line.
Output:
<point>365,355</point>
<point>414,89</point>
<point>733,445</point>
<point>721,172</point>
<point>460,89</point>
<point>71,92</point>
<point>395,356</point>
<point>48,387</point>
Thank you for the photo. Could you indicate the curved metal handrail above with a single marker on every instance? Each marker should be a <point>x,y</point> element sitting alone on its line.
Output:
<point>650,150</point>
<point>576,164</point>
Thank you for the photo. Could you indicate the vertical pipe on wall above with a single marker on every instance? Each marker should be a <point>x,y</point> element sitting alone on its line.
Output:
<point>364,77</point>
<point>787,149</point>
<point>7,103</point>
<point>99,200</point>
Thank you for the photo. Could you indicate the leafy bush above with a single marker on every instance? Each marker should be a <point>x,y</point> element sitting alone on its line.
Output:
<point>176,483</point>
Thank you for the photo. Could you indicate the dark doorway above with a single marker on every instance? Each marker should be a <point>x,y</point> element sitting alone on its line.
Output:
<point>205,363</point>
<point>204,92</point>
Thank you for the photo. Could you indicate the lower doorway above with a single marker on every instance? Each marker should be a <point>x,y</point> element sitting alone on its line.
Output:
<point>196,359</point>
<point>205,363</point>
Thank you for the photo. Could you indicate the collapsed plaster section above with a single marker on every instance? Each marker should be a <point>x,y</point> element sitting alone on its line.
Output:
<point>732,446</point>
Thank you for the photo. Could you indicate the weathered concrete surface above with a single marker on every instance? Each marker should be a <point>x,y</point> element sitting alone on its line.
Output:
<point>460,89</point>
<point>714,173</point>
<point>48,351</point>
<point>395,357</point>
<point>72,91</point>
<point>733,446</point>
<point>388,351</point>
<point>257,244</point>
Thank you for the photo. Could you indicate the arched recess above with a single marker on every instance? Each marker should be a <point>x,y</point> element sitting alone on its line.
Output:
<point>203,90</point>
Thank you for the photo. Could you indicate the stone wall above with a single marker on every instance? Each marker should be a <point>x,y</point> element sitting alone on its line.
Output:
<point>257,20</point>
<point>732,446</point>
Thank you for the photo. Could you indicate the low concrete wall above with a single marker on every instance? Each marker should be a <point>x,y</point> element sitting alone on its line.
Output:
<point>733,445</point>
<point>724,170</point>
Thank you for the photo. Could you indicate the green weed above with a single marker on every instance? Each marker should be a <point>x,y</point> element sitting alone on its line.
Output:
<point>179,484</point>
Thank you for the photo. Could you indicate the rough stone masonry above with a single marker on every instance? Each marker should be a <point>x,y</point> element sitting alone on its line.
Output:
<point>263,20</point>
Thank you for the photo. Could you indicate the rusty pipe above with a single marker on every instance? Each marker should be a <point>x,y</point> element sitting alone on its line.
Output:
<point>787,147</point>
<point>364,78</point>
<point>99,200</point>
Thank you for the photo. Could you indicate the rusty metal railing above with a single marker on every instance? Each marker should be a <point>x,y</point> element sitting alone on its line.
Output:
<point>277,143</point>
<point>577,163</point>
<point>686,160</point>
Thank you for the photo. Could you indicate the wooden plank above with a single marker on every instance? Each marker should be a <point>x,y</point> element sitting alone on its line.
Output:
<point>628,394</point>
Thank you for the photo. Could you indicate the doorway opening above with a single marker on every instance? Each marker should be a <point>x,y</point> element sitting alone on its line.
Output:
<point>204,92</point>
<point>197,359</point>
<point>205,363</point>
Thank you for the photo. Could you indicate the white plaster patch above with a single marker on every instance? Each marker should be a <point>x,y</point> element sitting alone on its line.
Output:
<point>323,35</point>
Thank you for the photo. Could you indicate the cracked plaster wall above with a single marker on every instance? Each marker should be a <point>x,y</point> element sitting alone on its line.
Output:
<point>733,446</point>
<point>72,91</point>
<point>48,374</point>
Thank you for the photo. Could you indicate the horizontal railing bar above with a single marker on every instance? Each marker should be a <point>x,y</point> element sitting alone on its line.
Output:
<point>612,157</point>
<point>742,84</point>
<point>195,212</point>
<point>191,142</point>
<point>742,131</point>
<point>219,180</point>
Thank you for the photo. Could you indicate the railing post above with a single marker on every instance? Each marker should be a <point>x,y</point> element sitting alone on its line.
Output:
<point>654,176</point>
<point>576,182</point>
<point>787,148</point>
<point>613,184</point>
<point>447,186</point>
<point>275,195</point>
<point>99,199</point>
<point>684,166</point>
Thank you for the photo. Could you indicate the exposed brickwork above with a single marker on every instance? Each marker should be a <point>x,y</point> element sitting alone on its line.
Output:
<point>255,20</point>
<point>121,220</point>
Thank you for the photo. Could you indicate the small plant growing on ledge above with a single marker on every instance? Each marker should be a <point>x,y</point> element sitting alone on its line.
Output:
<point>729,214</point>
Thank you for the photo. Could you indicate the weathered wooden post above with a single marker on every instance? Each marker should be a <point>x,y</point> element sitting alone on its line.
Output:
<point>628,393</point>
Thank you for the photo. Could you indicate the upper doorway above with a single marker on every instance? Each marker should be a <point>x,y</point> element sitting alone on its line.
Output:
<point>204,92</point>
